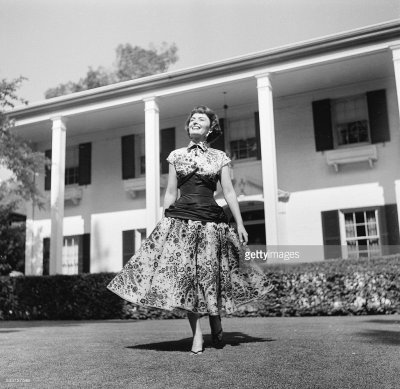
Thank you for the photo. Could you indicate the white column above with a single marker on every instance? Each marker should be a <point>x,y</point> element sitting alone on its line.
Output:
<point>57,193</point>
<point>396,64</point>
<point>268,158</point>
<point>29,246</point>
<point>397,192</point>
<point>152,148</point>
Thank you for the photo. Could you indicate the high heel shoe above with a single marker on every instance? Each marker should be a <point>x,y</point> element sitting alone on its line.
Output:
<point>199,351</point>
<point>216,331</point>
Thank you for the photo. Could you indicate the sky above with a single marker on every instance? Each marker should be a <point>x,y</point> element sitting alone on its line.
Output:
<point>55,41</point>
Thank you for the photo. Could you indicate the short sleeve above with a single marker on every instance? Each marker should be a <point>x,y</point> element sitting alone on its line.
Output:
<point>171,158</point>
<point>225,160</point>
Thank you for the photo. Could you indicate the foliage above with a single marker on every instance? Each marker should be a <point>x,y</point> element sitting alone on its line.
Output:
<point>17,155</point>
<point>131,62</point>
<point>12,242</point>
<point>362,288</point>
<point>24,164</point>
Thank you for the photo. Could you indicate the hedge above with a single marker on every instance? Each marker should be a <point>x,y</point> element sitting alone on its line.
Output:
<point>356,287</point>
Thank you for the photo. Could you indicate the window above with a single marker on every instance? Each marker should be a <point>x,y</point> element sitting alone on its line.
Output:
<point>242,138</point>
<point>133,153</point>
<point>78,165</point>
<point>75,254</point>
<point>361,230</point>
<point>72,246</point>
<point>350,116</point>
<point>243,148</point>
<point>72,165</point>
<point>140,156</point>
<point>351,120</point>
<point>131,241</point>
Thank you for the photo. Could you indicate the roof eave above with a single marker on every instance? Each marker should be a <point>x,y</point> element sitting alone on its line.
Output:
<point>365,36</point>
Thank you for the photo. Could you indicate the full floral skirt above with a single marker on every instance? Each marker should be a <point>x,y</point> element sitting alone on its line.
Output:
<point>190,265</point>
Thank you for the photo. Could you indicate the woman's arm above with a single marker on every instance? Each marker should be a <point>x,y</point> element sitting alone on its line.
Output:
<point>231,199</point>
<point>171,193</point>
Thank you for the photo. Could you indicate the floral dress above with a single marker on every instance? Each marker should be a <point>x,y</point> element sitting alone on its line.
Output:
<point>191,260</point>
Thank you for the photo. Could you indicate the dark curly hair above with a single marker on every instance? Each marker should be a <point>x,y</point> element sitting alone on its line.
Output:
<point>215,129</point>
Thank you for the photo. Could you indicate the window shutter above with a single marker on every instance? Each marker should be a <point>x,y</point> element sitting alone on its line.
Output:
<point>47,172</point>
<point>258,139</point>
<point>85,163</point>
<point>46,256</point>
<point>322,125</point>
<point>128,156</point>
<point>167,145</point>
<point>86,253</point>
<point>389,229</point>
<point>219,143</point>
<point>128,245</point>
<point>378,116</point>
<point>331,234</point>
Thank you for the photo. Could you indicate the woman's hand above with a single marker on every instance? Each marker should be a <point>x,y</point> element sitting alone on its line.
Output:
<point>243,237</point>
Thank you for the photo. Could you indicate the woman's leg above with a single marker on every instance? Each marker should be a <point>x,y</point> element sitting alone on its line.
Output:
<point>194,321</point>
<point>216,330</point>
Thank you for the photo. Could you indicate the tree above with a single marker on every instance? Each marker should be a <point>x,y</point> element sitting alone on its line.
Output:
<point>131,62</point>
<point>18,156</point>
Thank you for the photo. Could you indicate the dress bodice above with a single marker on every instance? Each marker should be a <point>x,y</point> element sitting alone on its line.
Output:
<point>197,184</point>
<point>198,171</point>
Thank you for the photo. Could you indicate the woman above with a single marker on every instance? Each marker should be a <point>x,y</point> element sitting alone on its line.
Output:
<point>191,259</point>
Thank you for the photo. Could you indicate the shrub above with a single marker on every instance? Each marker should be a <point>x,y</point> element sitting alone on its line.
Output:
<point>325,288</point>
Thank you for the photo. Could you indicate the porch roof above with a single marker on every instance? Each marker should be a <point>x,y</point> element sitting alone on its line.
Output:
<point>387,33</point>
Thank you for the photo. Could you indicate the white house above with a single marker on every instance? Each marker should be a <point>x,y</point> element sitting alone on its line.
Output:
<point>313,130</point>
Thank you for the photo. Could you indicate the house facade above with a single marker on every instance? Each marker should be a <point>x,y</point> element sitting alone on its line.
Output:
<point>313,130</point>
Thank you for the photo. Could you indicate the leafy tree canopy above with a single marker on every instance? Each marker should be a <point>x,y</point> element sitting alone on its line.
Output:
<point>17,155</point>
<point>131,62</point>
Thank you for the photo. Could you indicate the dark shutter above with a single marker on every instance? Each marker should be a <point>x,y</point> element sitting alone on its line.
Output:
<point>378,116</point>
<point>331,234</point>
<point>389,229</point>
<point>47,172</point>
<point>258,139</point>
<point>86,253</point>
<point>219,143</point>
<point>46,256</point>
<point>128,156</point>
<point>167,145</point>
<point>322,125</point>
<point>128,245</point>
<point>85,163</point>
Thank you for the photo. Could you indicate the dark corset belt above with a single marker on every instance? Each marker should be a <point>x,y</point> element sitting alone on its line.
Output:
<point>197,200</point>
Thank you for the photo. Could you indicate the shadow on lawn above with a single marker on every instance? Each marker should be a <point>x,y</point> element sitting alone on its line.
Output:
<point>391,338</point>
<point>230,338</point>
<point>19,325</point>
<point>383,321</point>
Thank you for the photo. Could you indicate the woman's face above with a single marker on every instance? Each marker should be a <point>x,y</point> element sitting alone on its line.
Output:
<point>199,125</point>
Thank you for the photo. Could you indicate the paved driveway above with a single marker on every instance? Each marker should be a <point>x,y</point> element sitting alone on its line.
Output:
<point>307,352</point>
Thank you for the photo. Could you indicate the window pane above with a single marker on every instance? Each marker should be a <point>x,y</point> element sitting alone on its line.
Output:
<point>361,230</point>
<point>359,217</point>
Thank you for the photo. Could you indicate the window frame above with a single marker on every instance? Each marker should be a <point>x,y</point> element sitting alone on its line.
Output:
<point>344,239</point>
